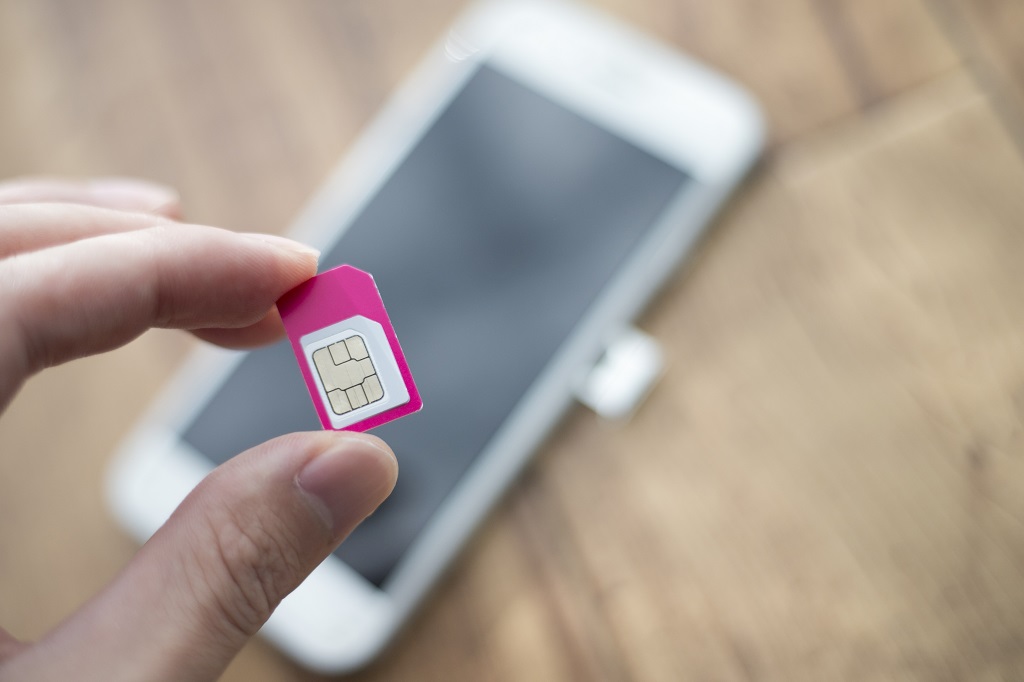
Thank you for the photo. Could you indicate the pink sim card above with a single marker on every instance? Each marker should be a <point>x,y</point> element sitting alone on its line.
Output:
<point>347,351</point>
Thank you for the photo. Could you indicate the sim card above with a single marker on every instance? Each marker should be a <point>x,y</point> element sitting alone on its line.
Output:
<point>347,350</point>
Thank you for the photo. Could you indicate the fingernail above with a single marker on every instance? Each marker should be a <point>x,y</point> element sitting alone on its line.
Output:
<point>132,193</point>
<point>284,243</point>
<point>348,481</point>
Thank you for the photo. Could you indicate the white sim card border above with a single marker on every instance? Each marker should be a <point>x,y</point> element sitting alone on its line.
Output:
<point>395,391</point>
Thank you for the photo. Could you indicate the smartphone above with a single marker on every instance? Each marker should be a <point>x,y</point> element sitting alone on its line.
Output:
<point>518,201</point>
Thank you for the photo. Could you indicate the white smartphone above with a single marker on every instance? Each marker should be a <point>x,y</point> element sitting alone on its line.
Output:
<point>518,202</point>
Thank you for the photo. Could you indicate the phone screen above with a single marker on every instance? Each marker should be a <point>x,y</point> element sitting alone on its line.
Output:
<point>488,242</point>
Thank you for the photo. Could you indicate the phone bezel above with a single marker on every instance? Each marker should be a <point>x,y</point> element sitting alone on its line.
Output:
<point>656,98</point>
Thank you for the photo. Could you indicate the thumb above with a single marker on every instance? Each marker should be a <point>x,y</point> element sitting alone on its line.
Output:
<point>213,574</point>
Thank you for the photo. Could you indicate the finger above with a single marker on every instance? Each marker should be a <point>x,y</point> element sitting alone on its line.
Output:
<point>8,645</point>
<point>99,293</point>
<point>124,194</point>
<point>267,330</point>
<point>29,227</point>
<point>209,579</point>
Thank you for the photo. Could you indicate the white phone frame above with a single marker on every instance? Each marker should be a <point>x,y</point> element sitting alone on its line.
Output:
<point>661,101</point>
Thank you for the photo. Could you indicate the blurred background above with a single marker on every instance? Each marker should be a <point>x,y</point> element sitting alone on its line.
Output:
<point>829,482</point>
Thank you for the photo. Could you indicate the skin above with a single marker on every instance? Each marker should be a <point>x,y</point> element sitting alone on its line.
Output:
<point>87,267</point>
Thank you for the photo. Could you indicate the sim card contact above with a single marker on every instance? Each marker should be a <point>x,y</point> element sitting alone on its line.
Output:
<point>354,370</point>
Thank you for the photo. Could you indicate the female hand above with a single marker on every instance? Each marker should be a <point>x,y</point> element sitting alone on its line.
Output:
<point>85,268</point>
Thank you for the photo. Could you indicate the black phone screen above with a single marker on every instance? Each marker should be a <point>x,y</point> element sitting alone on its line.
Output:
<point>489,242</point>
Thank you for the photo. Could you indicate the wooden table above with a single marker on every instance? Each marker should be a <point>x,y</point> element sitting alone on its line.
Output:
<point>829,483</point>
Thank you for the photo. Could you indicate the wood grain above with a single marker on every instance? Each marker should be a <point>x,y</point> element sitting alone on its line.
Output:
<point>990,35</point>
<point>885,47</point>
<point>829,482</point>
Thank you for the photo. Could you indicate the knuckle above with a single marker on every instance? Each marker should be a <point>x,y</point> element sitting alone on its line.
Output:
<point>256,563</point>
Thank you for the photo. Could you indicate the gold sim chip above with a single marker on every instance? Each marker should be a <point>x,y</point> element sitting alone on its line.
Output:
<point>348,375</point>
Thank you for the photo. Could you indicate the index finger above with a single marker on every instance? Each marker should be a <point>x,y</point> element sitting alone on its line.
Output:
<point>99,293</point>
<point>124,194</point>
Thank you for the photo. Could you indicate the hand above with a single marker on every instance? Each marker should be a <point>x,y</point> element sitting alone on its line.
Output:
<point>89,274</point>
